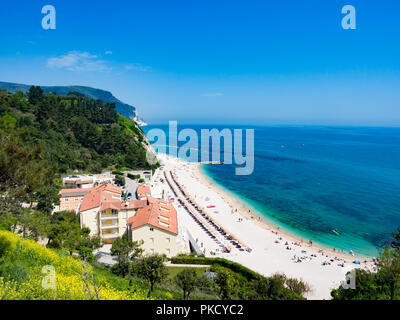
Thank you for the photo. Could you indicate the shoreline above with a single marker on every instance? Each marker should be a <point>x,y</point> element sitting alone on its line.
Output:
<point>270,225</point>
<point>265,247</point>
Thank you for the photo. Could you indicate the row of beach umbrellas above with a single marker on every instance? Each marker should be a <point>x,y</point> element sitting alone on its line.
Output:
<point>200,210</point>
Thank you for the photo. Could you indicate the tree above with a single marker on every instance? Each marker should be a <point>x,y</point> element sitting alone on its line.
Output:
<point>86,244</point>
<point>64,227</point>
<point>389,269</point>
<point>23,172</point>
<point>298,286</point>
<point>152,269</point>
<point>379,285</point>
<point>396,242</point>
<point>35,93</point>
<point>125,250</point>
<point>227,284</point>
<point>367,288</point>
<point>187,280</point>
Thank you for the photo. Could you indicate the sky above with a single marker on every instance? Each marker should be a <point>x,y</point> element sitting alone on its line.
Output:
<point>216,61</point>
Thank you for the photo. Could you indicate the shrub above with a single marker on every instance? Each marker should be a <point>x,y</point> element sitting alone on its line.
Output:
<point>298,286</point>
<point>21,274</point>
<point>234,266</point>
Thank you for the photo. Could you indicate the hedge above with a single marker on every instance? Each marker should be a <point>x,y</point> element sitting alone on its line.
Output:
<point>234,266</point>
<point>133,176</point>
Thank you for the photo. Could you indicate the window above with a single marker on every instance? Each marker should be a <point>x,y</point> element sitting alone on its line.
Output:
<point>76,199</point>
<point>168,239</point>
<point>66,199</point>
<point>151,229</point>
<point>152,240</point>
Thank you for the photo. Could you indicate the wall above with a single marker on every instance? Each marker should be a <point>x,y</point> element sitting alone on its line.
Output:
<point>160,244</point>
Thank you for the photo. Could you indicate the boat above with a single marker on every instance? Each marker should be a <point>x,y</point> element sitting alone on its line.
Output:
<point>335,232</point>
<point>210,207</point>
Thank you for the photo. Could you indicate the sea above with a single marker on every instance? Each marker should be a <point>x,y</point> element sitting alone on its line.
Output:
<point>314,180</point>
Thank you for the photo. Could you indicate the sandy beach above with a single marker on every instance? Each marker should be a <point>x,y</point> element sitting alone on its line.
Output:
<point>271,250</point>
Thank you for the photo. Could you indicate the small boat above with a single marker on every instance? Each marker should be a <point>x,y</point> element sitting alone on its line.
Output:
<point>210,207</point>
<point>335,232</point>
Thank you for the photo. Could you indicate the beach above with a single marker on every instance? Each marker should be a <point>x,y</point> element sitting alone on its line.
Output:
<point>264,248</point>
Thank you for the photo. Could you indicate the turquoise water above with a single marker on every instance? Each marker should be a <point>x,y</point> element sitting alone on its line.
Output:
<point>311,180</point>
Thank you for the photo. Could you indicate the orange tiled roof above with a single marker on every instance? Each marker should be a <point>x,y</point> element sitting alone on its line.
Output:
<point>152,200</point>
<point>143,191</point>
<point>135,204</point>
<point>99,195</point>
<point>160,216</point>
<point>109,187</point>
<point>118,205</point>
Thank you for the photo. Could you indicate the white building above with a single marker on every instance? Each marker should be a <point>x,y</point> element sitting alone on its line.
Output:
<point>157,225</point>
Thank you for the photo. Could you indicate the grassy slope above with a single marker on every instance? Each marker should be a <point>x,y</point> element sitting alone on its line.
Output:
<point>173,271</point>
<point>25,260</point>
<point>21,263</point>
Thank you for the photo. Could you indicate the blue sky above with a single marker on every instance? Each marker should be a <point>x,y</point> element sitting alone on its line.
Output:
<point>250,62</point>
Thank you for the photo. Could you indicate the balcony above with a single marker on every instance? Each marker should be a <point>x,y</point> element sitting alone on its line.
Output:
<point>109,225</point>
<point>113,234</point>
<point>108,214</point>
<point>110,236</point>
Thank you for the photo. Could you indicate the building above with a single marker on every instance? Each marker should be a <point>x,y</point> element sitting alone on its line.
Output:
<point>71,199</point>
<point>103,212</point>
<point>79,182</point>
<point>87,181</point>
<point>142,192</point>
<point>157,225</point>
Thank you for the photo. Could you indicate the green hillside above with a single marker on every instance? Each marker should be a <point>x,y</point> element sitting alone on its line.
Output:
<point>22,277</point>
<point>43,135</point>
<point>96,94</point>
<point>77,132</point>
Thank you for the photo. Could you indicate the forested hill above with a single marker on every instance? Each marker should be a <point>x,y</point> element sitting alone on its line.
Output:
<point>75,131</point>
<point>106,96</point>
<point>43,135</point>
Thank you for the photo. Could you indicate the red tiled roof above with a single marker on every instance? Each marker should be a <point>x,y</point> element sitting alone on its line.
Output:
<point>135,204</point>
<point>118,205</point>
<point>99,195</point>
<point>143,191</point>
<point>152,200</point>
<point>153,214</point>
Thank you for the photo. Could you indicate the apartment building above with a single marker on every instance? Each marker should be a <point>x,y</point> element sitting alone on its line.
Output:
<point>71,199</point>
<point>157,225</point>
<point>103,212</point>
